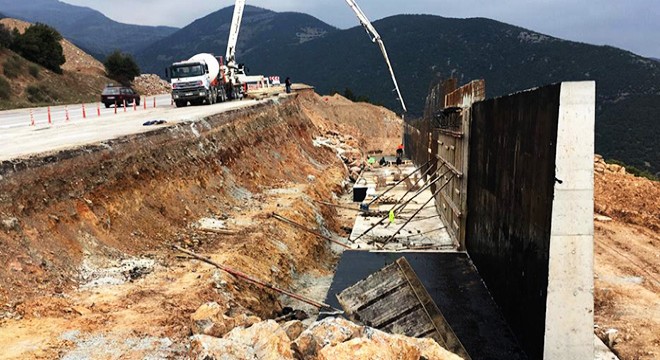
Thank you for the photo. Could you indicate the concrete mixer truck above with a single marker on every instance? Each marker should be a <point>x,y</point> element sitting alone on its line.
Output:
<point>197,81</point>
<point>204,79</point>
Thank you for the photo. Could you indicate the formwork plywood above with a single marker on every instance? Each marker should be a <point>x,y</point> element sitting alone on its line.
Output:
<point>388,298</point>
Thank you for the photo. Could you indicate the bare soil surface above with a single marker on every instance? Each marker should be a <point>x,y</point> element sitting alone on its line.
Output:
<point>87,265</point>
<point>627,264</point>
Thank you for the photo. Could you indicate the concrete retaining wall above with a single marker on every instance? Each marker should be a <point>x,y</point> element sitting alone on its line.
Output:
<point>530,214</point>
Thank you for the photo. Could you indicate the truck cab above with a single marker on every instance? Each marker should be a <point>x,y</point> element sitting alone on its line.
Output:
<point>190,83</point>
<point>195,81</point>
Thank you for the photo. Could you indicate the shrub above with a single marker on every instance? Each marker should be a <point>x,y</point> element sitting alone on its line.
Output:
<point>633,170</point>
<point>6,37</point>
<point>34,71</point>
<point>121,67</point>
<point>39,94</point>
<point>12,67</point>
<point>5,89</point>
<point>40,43</point>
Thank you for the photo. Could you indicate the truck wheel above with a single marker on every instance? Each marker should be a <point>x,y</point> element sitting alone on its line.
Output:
<point>107,105</point>
<point>180,103</point>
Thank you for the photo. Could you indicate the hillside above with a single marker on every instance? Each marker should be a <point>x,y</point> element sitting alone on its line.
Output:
<point>263,34</point>
<point>626,266</point>
<point>87,28</point>
<point>24,83</point>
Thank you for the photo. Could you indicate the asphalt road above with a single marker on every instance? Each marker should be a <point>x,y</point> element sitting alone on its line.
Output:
<point>21,117</point>
<point>20,139</point>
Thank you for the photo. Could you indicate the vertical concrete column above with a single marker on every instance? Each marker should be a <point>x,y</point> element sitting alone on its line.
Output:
<point>570,304</point>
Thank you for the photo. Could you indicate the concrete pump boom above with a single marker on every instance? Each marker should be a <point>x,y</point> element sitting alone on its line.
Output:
<point>233,34</point>
<point>375,37</point>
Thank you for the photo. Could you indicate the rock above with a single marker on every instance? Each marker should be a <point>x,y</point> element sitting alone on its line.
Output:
<point>80,310</point>
<point>245,320</point>
<point>363,348</point>
<point>204,347</point>
<point>602,218</point>
<point>267,339</point>
<point>327,332</point>
<point>431,350</point>
<point>15,266</point>
<point>209,319</point>
<point>614,168</point>
<point>293,329</point>
<point>10,224</point>
<point>612,337</point>
<point>377,344</point>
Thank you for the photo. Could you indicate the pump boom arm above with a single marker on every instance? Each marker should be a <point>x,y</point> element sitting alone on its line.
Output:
<point>375,37</point>
<point>233,33</point>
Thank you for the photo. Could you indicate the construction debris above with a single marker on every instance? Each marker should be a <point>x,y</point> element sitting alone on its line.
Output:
<point>150,85</point>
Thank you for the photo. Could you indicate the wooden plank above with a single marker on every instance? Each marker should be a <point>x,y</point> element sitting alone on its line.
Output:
<point>451,204</point>
<point>371,288</point>
<point>445,331</point>
<point>410,324</point>
<point>389,308</point>
<point>394,300</point>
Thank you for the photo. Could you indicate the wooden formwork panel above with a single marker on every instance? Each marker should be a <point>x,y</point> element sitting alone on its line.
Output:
<point>394,300</point>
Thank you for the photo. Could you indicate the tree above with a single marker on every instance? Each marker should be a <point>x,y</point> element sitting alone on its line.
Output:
<point>121,67</point>
<point>40,43</point>
<point>6,38</point>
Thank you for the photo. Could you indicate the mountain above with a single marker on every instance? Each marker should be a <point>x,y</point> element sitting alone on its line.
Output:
<point>656,59</point>
<point>87,28</point>
<point>509,58</point>
<point>263,32</point>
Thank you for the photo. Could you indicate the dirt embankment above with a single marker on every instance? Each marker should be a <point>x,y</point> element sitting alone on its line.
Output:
<point>627,262</point>
<point>378,129</point>
<point>107,214</point>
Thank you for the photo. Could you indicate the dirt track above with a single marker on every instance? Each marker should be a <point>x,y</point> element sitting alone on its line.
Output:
<point>66,225</point>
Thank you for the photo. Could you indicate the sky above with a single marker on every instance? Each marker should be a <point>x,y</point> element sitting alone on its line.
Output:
<point>632,25</point>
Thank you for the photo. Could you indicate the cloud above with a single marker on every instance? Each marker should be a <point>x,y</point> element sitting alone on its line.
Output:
<point>631,25</point>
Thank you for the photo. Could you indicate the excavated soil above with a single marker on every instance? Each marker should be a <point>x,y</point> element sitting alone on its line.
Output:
<point>627,263</point>
<point>86,234</point>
